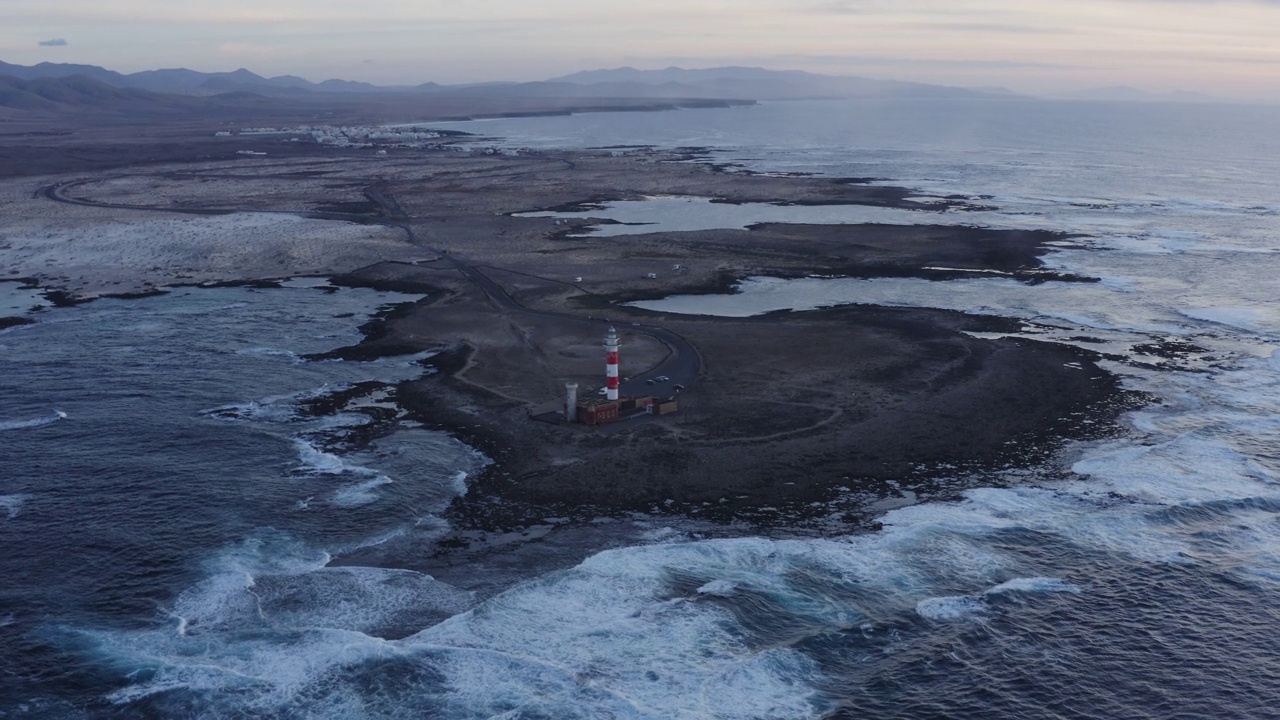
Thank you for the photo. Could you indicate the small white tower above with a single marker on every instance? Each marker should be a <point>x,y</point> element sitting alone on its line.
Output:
<point>571,402</point>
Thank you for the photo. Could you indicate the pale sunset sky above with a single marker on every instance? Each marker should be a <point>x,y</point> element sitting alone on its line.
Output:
<point>1229,48</point>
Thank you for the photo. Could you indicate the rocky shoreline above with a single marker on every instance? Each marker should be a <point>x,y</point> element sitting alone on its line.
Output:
<point>922,404</point>
<point>794,420</point>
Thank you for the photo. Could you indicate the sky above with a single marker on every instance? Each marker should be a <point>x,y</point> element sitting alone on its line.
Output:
<point>1228,48</point>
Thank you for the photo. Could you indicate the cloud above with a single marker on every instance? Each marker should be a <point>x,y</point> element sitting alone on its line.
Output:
<point>56,42</point>
<point>850,7</point>
<point>1004,28</point>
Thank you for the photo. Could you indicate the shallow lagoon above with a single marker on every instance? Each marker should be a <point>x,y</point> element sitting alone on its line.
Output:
<point>684,214</point>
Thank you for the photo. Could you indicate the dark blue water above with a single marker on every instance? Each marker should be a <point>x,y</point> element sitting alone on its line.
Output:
<point>167,542</point>
<point>139,440</point>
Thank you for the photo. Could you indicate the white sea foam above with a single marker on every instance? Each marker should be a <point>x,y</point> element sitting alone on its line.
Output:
<point>1090,520</point>
<point>605,635</point>
<point>362,599</point>
<point>662,535</point>
<point>273,621</point>
<point>460,481</point>
<point>723,588</point>
<point>49,419</point>
<point>274,673</point>
<point>279,408</point>
<point>954,607</point>
<point>1034,585</point>
<point>343,420</point>
<point>313,460</point>
<point>271,352</point>
<point>1187,469</point>
<point>224,595</point>
<point>612,619</point>
<point>255,411</point>
<point>1245,318</point>
<point>359,494</point>
<point>12,504</point>
<point>1201,445</point>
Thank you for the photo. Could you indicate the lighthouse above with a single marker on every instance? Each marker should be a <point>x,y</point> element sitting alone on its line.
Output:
<point>611,364</point>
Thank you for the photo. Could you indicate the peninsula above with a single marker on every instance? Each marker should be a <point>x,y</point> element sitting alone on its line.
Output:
<point>797,419</point>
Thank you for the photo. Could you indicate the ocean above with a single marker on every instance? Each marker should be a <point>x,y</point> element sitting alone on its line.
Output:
<point>171,495</point>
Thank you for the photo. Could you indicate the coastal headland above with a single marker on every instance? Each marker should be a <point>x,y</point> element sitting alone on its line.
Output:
<point>797,418</point>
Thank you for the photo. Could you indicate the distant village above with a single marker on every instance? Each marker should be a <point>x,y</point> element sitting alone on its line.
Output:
<point>380,137</point>
<point>352,136</point>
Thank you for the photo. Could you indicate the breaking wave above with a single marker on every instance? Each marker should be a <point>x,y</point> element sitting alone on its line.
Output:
<point>49,419</point>
<point>272,620</point>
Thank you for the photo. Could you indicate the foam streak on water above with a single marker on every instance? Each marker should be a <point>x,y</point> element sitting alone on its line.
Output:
<point>53,417</point>
<point>12,504</point>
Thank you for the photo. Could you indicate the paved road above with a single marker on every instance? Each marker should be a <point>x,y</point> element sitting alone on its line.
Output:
<point>681,366</point>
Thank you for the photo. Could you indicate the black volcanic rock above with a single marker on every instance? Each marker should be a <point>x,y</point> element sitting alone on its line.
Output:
<point>8,322</point>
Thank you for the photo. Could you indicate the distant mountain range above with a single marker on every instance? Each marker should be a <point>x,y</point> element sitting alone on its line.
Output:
<point>84,98</point>
<point>671,83</point>
<point>53,87</point>
<point>181,81</point>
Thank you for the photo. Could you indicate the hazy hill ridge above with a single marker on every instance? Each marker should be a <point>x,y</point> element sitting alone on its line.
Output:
<point>761,84</point>
<point>74,92</point>
<point>727,82</point>
<point>181,81</point>
<point>84,98</point>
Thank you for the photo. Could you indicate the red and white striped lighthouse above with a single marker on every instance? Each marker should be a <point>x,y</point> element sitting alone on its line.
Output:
<point>611,364</point>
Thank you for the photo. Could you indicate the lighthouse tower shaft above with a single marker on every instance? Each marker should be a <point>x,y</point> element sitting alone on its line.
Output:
<point>611,364</point>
